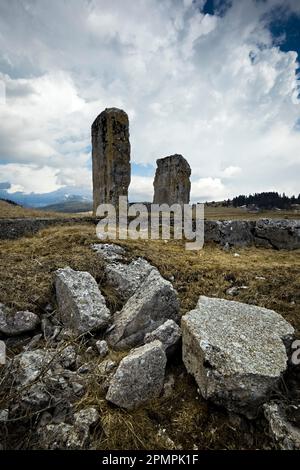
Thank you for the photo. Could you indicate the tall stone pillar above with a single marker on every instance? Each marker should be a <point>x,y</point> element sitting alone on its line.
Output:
<point>172,181</point>
<point>111,157</point>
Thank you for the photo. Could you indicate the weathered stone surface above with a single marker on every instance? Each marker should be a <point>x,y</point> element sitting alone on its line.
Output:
<point>128,277</point>
<point>139,377</point>
<point>109,251</point>
<point>172,180</point>
<point>279,234</point>
<point>286,435</point>
<point>102,348</point>
<point>235,351</point>
<point>12,324</point>
<point>153,303</point>
<point>168,334</point>
<point>111,156</point>
<point>229,232</point>
<point>82,307</point>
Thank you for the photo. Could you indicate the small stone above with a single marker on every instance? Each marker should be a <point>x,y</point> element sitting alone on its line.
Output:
<point>109,251</point>
<point>169,334</point>
<point>12,324</point>
<point>102,348</point>
<point>33,342</point>
<point>4,414</point>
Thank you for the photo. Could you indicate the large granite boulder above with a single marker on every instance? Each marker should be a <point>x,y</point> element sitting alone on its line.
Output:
<point>81,305</point>
<point>154,302</point>
<point>172,181</point>
<point>139,377</point>
<point>236,352</point>
<point>16,323</point>
<point>110,156</point>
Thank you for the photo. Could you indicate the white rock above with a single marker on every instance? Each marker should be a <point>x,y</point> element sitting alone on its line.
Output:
<point>168,334</point>
<point>153,303</point>
<point>82,307</point>
<point>139,377</point>
<point>102,347</point>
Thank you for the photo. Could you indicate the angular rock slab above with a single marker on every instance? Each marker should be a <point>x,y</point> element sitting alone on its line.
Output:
<point>128,277</point>
<point>154,302</point>
<point>82,307</point>
<point>235,351</point>
<point>169,334</point>
<point>12,324</point>
<point>139,377</point>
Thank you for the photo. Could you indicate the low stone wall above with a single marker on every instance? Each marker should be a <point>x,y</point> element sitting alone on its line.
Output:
<point>270,233</point>
<point>16,228</point>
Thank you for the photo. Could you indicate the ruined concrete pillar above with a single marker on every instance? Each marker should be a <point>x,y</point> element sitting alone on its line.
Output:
<point>172,180</point>
<point>111,156</point>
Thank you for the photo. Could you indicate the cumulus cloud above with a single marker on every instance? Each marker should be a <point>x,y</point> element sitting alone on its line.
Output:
<point>224,97</point>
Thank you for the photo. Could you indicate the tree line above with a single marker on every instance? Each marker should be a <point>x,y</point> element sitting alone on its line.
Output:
<point>266,200</point>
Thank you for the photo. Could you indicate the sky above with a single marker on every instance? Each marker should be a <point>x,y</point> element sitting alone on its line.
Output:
<point>216,81</point>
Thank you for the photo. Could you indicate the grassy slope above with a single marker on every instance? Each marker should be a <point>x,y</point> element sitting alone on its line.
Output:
<point>26,281</point>
<point>10,211</point>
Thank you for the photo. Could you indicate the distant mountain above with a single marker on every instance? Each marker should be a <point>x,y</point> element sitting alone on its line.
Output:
<point>60,196</point>
<point>72,205</point>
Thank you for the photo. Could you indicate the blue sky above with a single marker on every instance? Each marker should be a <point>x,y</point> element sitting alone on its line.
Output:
<point>213,80</point>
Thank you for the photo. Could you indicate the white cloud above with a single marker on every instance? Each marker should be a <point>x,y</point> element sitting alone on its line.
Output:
<point>222,96</point>
<point>30,178</point>
<point>141,188</point>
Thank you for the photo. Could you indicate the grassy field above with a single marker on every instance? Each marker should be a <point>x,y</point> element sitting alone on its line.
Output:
<point>233,213</point>
<point>214,213</point>
<point>26,282</point>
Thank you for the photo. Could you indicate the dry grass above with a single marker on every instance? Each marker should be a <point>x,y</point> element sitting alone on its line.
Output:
<point>10,211</point>
<point>182,420</point>
<point>234,213</point>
